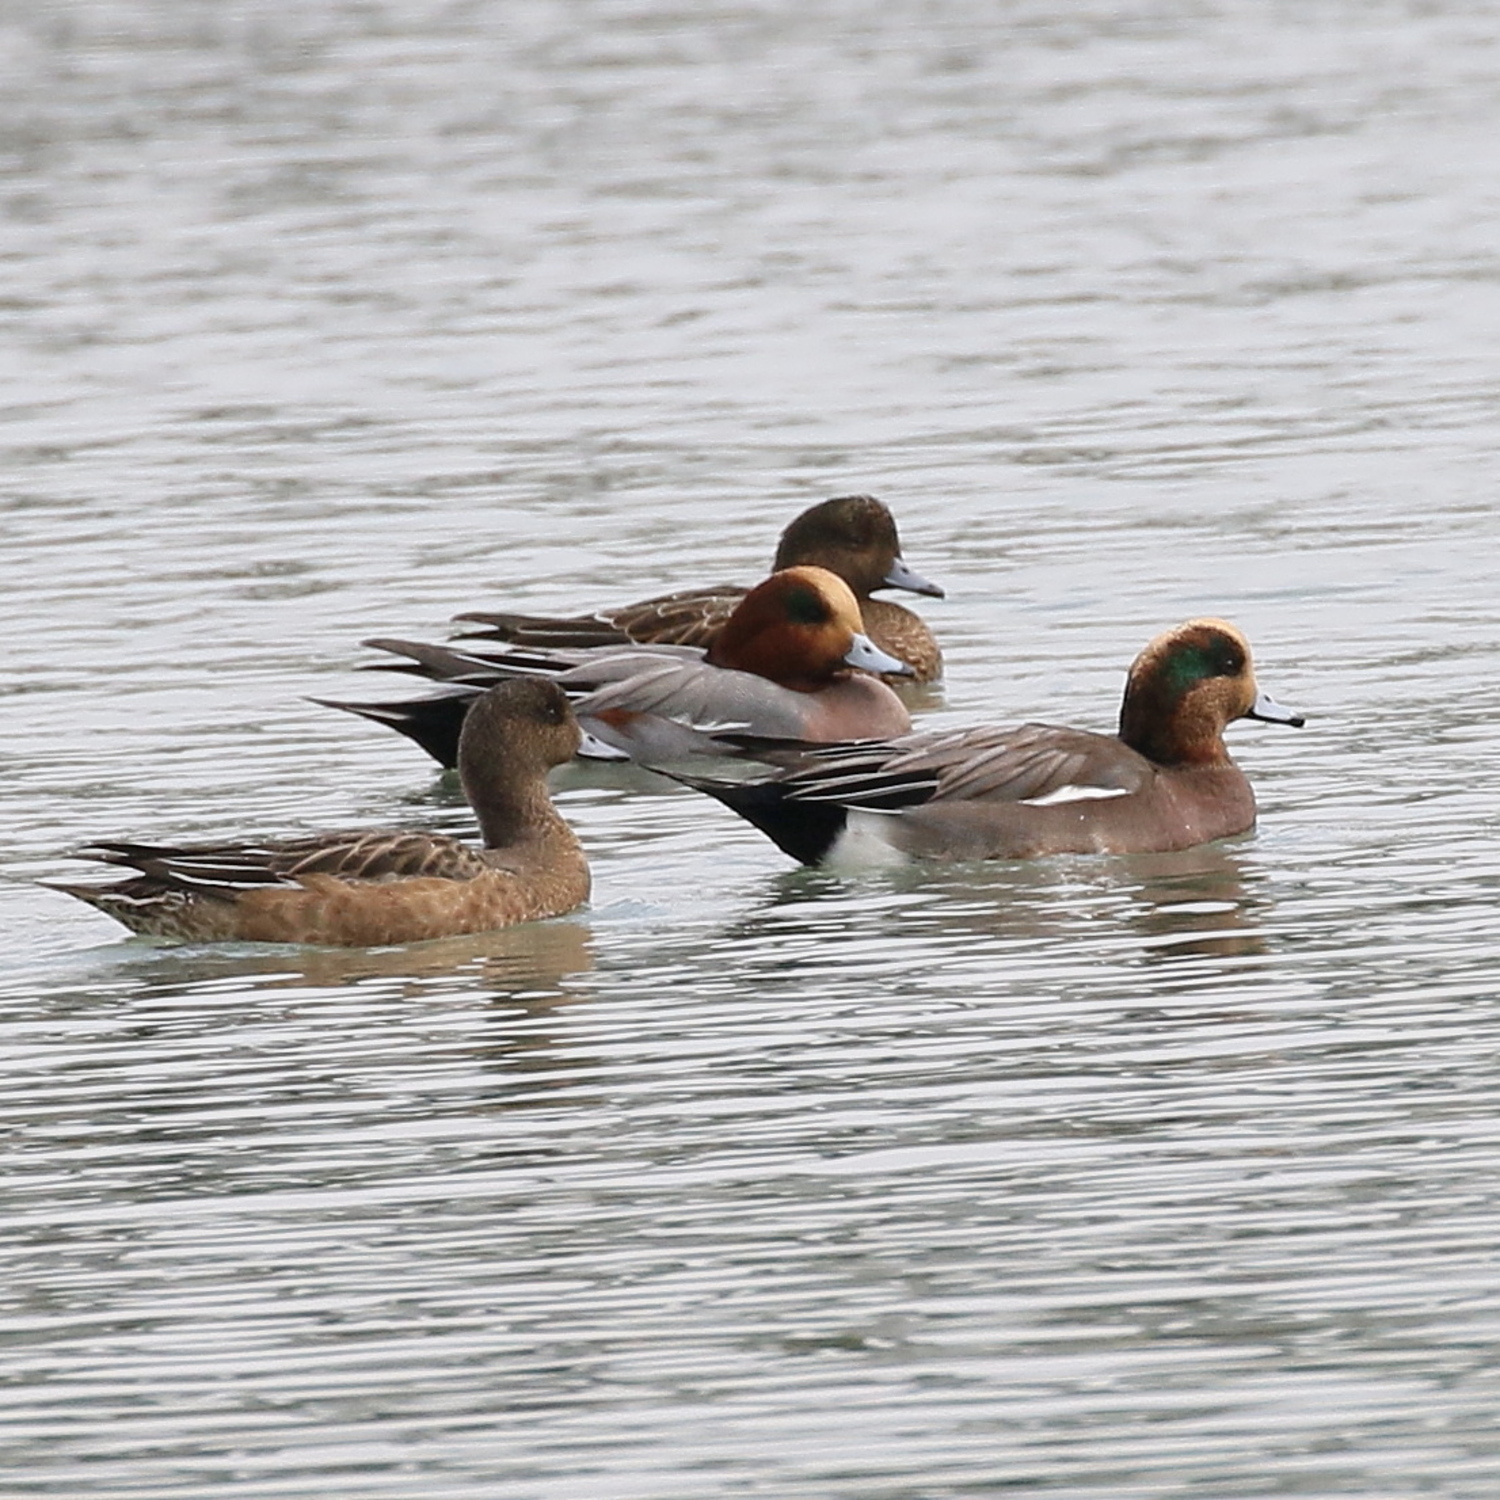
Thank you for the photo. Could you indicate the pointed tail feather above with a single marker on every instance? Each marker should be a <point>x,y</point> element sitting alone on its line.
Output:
<point>541,630</point>
<point>440,663</point>
<point>433,721</point>
<point>805,830</point>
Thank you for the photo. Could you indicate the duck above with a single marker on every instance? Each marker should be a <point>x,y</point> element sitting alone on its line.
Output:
<point>854,536</point>
<point>790,663</point>
<point>380,887</point>
<point>1165,781</point>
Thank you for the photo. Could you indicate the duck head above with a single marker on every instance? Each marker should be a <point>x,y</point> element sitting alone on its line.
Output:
<point>1186,686</point>
<point>800,628</point>
<point>512,735</point>
<point>855,537</point>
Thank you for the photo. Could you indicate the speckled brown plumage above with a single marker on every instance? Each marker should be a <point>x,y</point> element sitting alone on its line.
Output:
<point>853,536</point>
<point>378,887</point>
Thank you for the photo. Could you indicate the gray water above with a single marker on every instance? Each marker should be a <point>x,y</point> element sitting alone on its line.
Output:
<point>1094,1178</point>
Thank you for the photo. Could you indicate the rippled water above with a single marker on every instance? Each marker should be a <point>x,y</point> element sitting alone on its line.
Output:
<point>1094,1178</point>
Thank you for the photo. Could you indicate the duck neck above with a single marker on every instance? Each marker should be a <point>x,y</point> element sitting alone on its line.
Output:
<point>1180,734</point>
<point>510,814</point>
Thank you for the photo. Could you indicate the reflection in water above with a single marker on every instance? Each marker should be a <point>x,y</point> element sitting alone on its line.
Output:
<point>1190,903</point>
<point>1196,904</point>
<point>535,960</point>
<point>531,962</point>
<point>488,998</point>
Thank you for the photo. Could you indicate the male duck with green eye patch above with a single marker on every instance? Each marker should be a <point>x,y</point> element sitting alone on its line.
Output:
<point>1165,782</point>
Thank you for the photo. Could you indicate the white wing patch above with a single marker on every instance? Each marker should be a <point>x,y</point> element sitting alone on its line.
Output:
<point>1074,794</point>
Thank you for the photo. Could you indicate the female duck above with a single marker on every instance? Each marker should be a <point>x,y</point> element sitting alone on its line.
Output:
<point>375,888</point>
<point>1164,782</point>
<point>853,536</point>
<point>781,667</point>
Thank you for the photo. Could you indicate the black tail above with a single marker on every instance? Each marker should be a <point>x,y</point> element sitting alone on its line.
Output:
<point>433,721</point>
<point>805,830</point>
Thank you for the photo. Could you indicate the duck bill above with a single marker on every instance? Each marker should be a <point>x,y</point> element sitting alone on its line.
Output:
<point>1267,708</point>
<point>591,747</point>
<point>867,656</point>
<point>903,577</point>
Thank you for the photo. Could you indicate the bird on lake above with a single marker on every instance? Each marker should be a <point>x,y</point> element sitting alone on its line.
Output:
<point>853,536</point>
<point>380,887</point>
<point>783,666</point>
<point>1165,781</point>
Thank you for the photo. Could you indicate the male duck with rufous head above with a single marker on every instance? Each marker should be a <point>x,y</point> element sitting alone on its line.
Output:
<point>790,663</point>
<point>1165,781</point>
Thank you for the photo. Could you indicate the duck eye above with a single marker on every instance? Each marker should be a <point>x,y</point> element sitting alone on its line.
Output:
<point>805,606</point>
<point>1228,661</point>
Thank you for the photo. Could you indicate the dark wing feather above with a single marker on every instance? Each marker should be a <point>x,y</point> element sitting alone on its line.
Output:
<point>690,617</point>
<point>440,663</point>
<point>577,670</point>
<point>970,765</point>
<point>434,720</point>
<point>227,869</point>
<point>194,867</point>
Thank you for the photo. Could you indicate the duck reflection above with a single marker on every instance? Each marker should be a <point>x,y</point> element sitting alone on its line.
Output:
<point>1199,903</point>
<point>535,961</point>
<point>1188,904</point>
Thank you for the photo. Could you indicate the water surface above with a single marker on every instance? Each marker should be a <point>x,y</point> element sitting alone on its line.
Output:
<point>1169,1176</point>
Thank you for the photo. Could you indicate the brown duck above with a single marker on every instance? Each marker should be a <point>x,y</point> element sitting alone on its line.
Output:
<point>853,536</point>
<point>1165,781</point>
<point>375,888</point>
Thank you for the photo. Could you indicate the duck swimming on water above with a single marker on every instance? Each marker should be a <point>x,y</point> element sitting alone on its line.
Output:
<point>384,886</point>
<point>853,536</point>
<point>1165,781</point>
<point>781,667</point>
